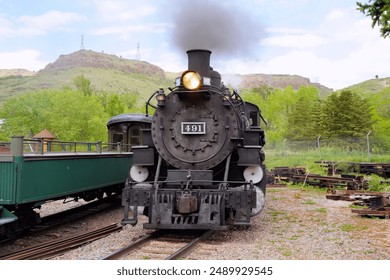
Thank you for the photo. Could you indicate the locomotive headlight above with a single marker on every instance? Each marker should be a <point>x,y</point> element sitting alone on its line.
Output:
<point>191,80</point>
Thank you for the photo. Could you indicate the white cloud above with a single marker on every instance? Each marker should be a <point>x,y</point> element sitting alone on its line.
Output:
<point>300,41</point>
<point>51,20</point>
<point>124,18</point>
<point>24,59</point>
<point>28,26</point>
<point>168,61</point>
<point>343,50</point>
<point>119,10</point>
<point>335,15</point>
<point>126,30</point>
<point>5,27</point>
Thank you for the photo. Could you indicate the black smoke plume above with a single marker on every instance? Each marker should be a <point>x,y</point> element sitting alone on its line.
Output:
<point>222,28</point>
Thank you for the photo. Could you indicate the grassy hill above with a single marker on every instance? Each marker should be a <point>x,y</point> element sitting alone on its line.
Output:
<point>370,86</point>
<point>15,72</point>
<point>107,73</point>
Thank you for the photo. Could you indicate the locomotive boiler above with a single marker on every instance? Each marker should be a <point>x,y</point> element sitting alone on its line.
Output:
<point>201,165</point>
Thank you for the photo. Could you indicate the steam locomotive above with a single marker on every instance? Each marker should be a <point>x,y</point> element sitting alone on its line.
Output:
<point>201,163</point>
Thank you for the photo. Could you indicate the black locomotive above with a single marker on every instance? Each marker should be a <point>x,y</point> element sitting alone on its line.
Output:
<point>201,162</point>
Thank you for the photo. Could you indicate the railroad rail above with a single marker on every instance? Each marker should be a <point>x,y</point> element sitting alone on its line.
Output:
<point>299,175</point>
<point>160,237</point>
<point>284,173</point>
<point>374,204</point>
<point>54,247</point>
<point>334,167</point>
<point>66,216</point>
<point>350,182</point>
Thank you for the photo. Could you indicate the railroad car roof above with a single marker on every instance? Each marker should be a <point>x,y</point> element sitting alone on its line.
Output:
<point>129,118</point>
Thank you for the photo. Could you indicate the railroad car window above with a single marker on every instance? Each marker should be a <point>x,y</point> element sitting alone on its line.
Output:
<point>254,118</point>
<point>135,136</point>
<point>116,138</point>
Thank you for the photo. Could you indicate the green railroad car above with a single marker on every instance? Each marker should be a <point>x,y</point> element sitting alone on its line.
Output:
<point>34,172</point>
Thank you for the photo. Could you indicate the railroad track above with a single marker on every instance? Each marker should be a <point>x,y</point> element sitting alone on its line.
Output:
<point>161,245</point>
<point>55,247</point>
<point>67,216</point>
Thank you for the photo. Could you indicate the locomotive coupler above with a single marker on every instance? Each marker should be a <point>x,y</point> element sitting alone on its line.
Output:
<point>186,203</point>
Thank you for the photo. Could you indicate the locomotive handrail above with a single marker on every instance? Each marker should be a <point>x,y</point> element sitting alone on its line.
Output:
<point>148,103</point>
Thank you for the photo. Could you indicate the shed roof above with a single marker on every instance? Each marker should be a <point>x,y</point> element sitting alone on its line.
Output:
<point>44,134</point>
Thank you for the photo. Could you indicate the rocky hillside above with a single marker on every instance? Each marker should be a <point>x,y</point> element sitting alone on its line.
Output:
<point>280,81</point>
<point>107,73</point>
<point>91,59</point>
<point>15,72</point>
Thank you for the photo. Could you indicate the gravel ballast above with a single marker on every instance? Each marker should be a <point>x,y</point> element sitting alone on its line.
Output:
<point>296,224</point>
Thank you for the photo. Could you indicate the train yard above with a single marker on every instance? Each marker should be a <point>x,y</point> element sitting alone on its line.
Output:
<point>297,223</point>
<point>349,187</point>
<point>325,222</point>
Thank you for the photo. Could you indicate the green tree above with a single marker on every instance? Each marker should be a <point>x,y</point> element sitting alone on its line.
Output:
<point>130,100</point>
<point>68,114</point>
<point>346,115</point>
<point>301,123</point>
<point>276,111</point>
<point>302,119</point>
<point>83,85</point>
<point>264,91</point>
<point>26,115</point>
<point>77,117</point>
<point>114,106</point>
<point>381,117</point>
<point>284,107</point>
<point>379,11</point>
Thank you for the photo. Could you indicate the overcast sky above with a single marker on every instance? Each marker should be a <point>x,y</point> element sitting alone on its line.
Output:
<point>328,41</point>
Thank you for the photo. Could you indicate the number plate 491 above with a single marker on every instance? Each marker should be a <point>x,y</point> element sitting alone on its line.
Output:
<point>193,128</point>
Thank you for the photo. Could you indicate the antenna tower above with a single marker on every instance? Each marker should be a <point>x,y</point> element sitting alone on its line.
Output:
<point>82,42</point>
<point>138,54</point>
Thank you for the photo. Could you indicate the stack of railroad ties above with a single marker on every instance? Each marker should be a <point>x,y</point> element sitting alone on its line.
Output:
<point>300,175</point>
<point>353,187</point>
<point>374,204</point>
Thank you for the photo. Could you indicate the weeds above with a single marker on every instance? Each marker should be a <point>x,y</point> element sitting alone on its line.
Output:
<point>309,202</point>
<point>350,227</point>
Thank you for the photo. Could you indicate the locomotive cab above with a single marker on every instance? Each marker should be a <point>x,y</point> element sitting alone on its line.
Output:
<point>203,168</point>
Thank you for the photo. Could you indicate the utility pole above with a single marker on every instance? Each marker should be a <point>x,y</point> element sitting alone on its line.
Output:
<point>368,147</point>
<point>82,42</point>
<point>138,54</point>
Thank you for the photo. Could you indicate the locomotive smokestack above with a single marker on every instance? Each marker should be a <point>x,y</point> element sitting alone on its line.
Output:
<point>199,61</point>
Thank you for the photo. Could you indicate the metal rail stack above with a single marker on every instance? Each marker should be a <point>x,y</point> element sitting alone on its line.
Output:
<point>368,168</point>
